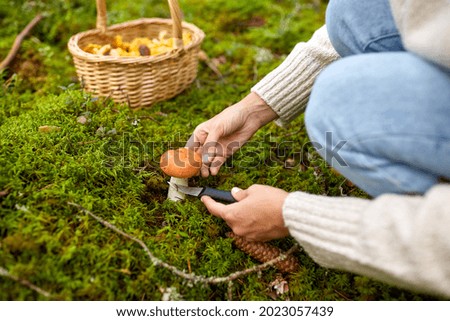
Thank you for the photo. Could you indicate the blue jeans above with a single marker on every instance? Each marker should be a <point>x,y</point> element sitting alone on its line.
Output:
<point>380,115</point>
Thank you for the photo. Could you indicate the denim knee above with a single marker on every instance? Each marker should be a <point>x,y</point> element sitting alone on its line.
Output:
<point>362,26</point>
<point>320,122</point>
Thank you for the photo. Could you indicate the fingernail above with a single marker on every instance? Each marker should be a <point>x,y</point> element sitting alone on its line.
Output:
<point>234,190</point>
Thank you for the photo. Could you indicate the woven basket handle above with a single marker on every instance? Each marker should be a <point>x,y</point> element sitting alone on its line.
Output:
<point>175,14</point>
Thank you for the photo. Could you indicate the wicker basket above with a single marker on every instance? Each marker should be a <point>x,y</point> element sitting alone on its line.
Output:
<point>138,81</point>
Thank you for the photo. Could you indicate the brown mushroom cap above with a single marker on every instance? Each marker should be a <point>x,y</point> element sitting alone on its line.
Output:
<point>183,162</point>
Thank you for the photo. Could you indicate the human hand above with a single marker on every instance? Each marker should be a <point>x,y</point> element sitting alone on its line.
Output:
<point>219,137</point>
<point>257,215</point>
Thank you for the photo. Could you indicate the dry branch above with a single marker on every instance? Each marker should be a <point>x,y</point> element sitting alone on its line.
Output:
<point>5,273</point>
<point>188,276</point>
<point>18,41</point>
<point>264,252</point>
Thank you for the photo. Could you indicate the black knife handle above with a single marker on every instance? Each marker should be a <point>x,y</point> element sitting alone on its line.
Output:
<point>218,195</point>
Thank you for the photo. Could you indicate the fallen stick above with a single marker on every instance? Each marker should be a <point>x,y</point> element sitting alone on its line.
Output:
<point>18,41</point>
<point>204,57</point>
<point>189,276</point>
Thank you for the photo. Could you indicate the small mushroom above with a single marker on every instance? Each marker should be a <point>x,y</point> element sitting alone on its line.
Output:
<point>105,50</point>
<point>182,163</point>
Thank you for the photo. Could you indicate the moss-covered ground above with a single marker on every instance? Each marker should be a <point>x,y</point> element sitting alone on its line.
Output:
<point>109,164</point>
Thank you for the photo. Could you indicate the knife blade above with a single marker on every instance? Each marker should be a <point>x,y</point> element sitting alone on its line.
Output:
<point>215,194</point>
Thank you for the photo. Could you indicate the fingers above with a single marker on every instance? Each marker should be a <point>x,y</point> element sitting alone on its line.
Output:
<point>257,214</point>
<point>210,147</point>
<point>215,208</point>
<point>211,164</point>
<point>220,209</point>
<point>216,164</point>
<point>204,171</point>
<point>211,139</point>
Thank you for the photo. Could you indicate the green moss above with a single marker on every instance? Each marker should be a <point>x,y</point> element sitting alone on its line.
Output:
<point>109,165</point>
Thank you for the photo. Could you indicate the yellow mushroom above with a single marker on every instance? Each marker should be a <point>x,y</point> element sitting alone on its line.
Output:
<point>183,162</point>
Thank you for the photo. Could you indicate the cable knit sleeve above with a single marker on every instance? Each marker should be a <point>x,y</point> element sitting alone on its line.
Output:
<point>286,89</point>
<point>398,239</point>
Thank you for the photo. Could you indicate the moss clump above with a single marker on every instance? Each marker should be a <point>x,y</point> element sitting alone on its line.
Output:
<point>105,158</point>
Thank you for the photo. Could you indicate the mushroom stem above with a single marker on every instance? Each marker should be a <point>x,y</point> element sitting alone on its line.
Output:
<point>173,194</point>
<point>18,41</point>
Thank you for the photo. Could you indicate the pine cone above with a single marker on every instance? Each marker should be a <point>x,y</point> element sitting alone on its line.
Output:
<point>265,252</point>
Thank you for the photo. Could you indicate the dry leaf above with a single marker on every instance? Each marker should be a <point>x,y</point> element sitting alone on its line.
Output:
<point>125,271</point>
<point>49,129</point>
<point>82,120</point>
<point>265,252</point>
<point>280,286</point>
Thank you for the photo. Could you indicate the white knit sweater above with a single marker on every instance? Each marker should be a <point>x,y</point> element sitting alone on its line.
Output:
<point>287,88</point>
<point>401,240</point>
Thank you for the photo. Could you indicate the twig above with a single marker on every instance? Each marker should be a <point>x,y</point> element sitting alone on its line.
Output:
<point>46,186</point>
<point>145,117</point>
<point>204,57</point>
<point>143,168</point>
<point>230,291</point>
<point>294,132</point>
<point>5,273</point>
<point>18,41</point>
<point>87,142</point>
<point>188,276</point>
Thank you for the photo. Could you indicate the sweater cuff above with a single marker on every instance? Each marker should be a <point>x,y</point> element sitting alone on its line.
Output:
<point>287,88</point>
<point>329,237</point>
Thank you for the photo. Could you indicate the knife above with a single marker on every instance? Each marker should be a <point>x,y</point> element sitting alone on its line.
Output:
<point>216,194</point>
